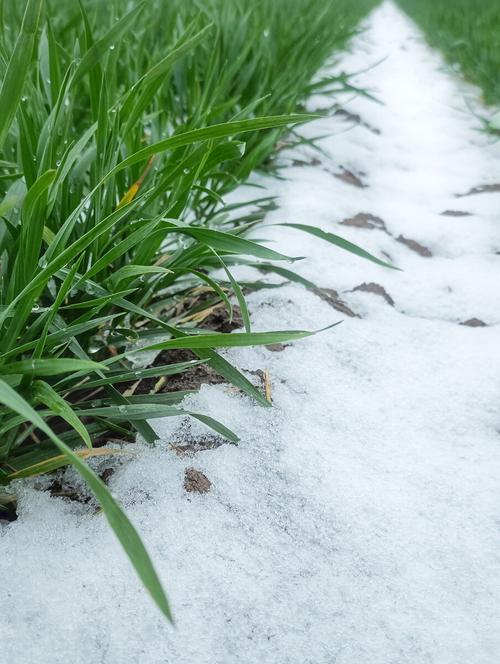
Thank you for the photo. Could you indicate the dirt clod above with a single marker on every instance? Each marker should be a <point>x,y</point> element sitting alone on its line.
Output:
<point>415,246</point>
<point>106,474</point>
<point>196,482</point>
<point>218,321</point>
<point>376,289</point>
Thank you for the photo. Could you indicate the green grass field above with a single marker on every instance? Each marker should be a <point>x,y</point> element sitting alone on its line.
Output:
<point>468,34</point>
<point>120,135</point>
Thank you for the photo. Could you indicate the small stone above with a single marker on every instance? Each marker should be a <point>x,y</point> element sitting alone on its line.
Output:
<point>474,322</point>
<point>196,482</point>
<point>415,246</point>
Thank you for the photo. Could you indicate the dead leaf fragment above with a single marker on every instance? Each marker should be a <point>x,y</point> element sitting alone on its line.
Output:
<point>276,348</point>
<point>376,289</point>
<point>415,246</point>
<point>481,189</point>
<point>365,220</point>
<point>350,178</point>
<point>196,482</point>
<point>456,213</point>
<point>331,297</point>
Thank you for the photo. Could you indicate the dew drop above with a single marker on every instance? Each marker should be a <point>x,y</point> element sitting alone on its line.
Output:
<point>112,47</point>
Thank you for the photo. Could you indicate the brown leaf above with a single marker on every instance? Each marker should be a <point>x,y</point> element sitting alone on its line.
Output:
<point>196,482</point>
<point>350,178</point>
<point>456,213</point>
<point>331,296</point>
<point>415,246</point>
<point>376,289</point>
<point>365,220</point>
<point>481,189</point>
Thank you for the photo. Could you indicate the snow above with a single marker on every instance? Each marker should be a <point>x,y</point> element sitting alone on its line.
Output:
<point>357,520</point>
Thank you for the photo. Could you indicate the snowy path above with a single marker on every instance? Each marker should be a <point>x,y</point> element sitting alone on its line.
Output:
<point>356,522</point>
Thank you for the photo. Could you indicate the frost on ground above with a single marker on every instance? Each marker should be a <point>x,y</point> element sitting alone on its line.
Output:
<point>357,521</point>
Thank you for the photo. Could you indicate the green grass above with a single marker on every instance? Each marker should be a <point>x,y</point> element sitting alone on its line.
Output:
<point>468,34</point>
<point>120,136</point>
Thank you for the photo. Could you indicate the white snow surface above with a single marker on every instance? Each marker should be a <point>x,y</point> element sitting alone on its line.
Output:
<point>357,521</point>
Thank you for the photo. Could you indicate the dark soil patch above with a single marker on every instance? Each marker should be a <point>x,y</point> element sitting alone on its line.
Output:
<point>190,379</point>
<point>376,289</point>
<point>8,508</point>
<point>218,320</point>
<point>415,246</point>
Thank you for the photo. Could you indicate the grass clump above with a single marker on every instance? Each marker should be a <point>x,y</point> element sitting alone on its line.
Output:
<point>120,135</point>
<point>467,32</point>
